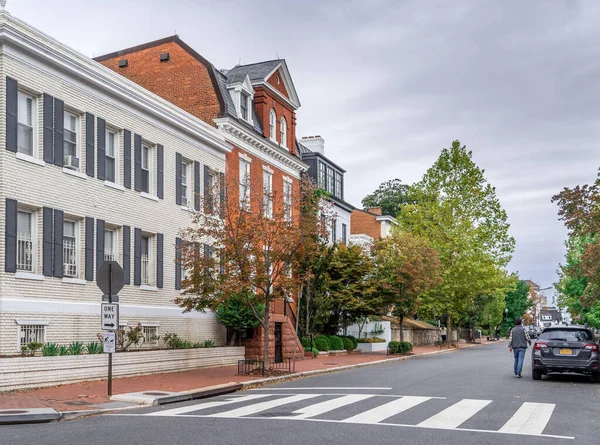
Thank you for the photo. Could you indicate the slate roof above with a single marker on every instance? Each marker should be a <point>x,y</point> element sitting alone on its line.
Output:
<point>256,71</point>
<point>302,149</point>
<point>230,110</point>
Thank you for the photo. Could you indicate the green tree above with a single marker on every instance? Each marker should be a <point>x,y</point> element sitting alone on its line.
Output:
<point>407,267</point>
<point>236,314</point>
<point>455,208</point>
<point>517,301</point>
<point>391,196</point>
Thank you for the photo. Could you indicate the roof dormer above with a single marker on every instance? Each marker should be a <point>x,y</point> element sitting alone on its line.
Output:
<point>242,94</point>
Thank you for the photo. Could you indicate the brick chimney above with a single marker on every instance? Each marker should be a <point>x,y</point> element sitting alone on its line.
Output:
<point>375,210</point>
<point>314,143</point>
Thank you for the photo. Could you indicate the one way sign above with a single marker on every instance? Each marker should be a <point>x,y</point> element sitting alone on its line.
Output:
<point>110,316</point>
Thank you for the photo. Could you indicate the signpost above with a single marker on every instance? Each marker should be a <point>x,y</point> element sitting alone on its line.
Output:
<point>110,279</point>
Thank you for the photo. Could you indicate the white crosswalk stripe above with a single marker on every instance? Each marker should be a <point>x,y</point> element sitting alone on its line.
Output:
<point>453,416</point>
<point>386,410</point>
<point>530,419</point>
<point>207,405</point>
<point>263,406</point>
<point>329,405</point>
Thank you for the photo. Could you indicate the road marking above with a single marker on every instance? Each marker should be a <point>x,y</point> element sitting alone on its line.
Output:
<point>375,388</point>
<point>386,410</point>
<point>206,405</point>
<point>329,405</point>
<point>455,415</point>
<point>263,406</point>
<point>530,419</point>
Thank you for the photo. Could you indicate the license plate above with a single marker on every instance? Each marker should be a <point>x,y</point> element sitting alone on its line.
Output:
<point>566,352</point>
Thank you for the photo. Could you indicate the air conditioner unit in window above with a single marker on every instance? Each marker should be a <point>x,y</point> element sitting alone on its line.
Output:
<point>71,162</point>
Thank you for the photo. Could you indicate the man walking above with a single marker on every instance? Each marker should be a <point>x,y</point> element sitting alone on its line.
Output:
<point>517,344</point>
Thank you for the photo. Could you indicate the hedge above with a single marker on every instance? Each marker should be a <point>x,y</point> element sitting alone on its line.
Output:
<point>400,347</point>
<point>371,340</point>
<point>335,343</point>
<point>348,344</point>
<point>321,343</point>
<point>354,340</point>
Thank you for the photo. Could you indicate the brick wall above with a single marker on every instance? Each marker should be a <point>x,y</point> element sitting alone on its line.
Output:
<point>255,346</point>
<point>365,223</point>
<point>263,102</point>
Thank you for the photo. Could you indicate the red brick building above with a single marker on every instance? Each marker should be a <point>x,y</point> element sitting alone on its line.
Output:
<point>371,222</point>
<point>255,108</point>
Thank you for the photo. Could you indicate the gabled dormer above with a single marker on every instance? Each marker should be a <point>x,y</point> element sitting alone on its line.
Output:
<point>242,93</point>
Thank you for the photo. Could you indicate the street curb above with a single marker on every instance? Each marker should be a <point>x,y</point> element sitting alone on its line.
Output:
<point>74,415</point>
<point>149,399</point>
<point>28,415</point>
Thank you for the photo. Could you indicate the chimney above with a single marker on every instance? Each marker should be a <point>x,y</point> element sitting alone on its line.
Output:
<point>375,210</point>
<point>314,143</point>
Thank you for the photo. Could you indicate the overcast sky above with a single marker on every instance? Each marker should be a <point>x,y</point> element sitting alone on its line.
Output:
<point>390,83</point>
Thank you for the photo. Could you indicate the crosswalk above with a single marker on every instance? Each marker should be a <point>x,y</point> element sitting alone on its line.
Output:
<point>529,419</point>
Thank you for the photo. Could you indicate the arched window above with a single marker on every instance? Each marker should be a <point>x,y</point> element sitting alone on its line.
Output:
<point>283,132</point>
<point>273,125</point>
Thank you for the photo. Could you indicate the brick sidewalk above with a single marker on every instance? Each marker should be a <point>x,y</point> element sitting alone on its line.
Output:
<point>88,395</point>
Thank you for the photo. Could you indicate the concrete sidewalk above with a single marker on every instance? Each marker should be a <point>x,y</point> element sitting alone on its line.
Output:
<point>93,395</point>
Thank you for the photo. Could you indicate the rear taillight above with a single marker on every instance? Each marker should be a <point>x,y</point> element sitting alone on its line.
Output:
<point>539,345</point>
<point>591,347</point>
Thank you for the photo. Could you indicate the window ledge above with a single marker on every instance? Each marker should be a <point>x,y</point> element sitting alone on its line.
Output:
<point>148,196</point>
<point>75,173</point>
<point>73,281</point>
<point>187,209</point>
<point>148,288</point>
<point>114,186</point>
<point>29,276</point>
<point>27,158</point>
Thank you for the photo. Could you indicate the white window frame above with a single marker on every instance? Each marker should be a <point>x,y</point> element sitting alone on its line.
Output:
<point>147,328</point>
<point>283,132</point>
<point>244,97</point>
<point>322,176</point>
<point>244,178</point>
<point>149,263</point>
<point>334,231</point>
<point>34,123</point>
<point>344,233</point>
<point>268,193</point>
<point>273,125</point>
<point>188,166</point>
<point>68,114</point>
<point>330,180</point>
<point>77,236</point>
<point>116,156</point>
<point>33,240</point>
<point>28,324</point>
<point>150,162</point>
<point>115,244</point>
<point>337,186</point>
<point>287,200</point>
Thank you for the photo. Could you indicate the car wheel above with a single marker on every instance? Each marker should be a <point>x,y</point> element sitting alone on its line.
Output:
<point>536,374</point>
<point>596,377</point>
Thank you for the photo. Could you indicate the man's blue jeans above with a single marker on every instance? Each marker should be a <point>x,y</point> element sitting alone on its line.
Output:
<point>519,357</point>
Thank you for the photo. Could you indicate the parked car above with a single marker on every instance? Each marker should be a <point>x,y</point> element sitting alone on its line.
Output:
<point>565,349</point>
<point>533,332</point>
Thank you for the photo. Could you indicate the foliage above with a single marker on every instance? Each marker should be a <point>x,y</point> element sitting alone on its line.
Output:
<point>400,347</point>
<point>457,211</point>
<point>353,339</point>
<point>348,344</point>
<point>321,343</point>
<point>517,301</point>
<point>76,348</point>
<point>314,351</point>
<point>31,348</point>
<point>63,350</point>
<point>391,196</point>
<point>208,343</point>
<point>236,313</point>
<point>371,340</point>
<point>335,343</point>
<point>50,349</point>
<point>172,341</point>
<point>94,348</point>
<point>128,336</point>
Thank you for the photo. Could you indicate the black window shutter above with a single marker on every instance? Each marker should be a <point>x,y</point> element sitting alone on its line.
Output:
<point>137,149</point>
<point>178,178</point>
<point>160,171</point>
<point>12,110</point>
<point>222,195</point>
<point>89,248</point>
<point>159,259</point>
<point>10,252</point>
<point>89,145</point>
<point>177,263</point>
<point>48,129</point>
<point>100,227</point>
<point>197,185</point>
<point>127,159</point>
<point>59,135</point>
<point>58,242</point>
<point>101,149</point>
<point>127,254</point>
<point>137,257</point>
<point>207,191</point>
<point>206,251</point>
<point>47,241</point>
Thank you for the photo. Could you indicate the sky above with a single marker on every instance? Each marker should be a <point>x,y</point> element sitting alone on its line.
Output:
<point>388,84</point>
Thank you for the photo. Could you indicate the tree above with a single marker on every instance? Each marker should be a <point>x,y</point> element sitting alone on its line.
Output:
<point>391,196</point>
<point>236,314</point>
<point>254,251</point>
<point>407,267</point>
<point>457,211</point>
<point>518,301</point>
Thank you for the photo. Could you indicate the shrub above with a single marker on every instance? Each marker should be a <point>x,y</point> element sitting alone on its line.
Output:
<point>371,340</point>
<point>172,341</point>
<point>336,343</point>
<point>315,351</point>
<point>354,340</point>
<point>400,347</point>
<point>63,350</point>
<point>321,343</point>
<point>348,344</point>
<point>306,342</point>
<point>50,350</point>
<point>94,348</point>
<point>198,345</point>
<point>209,343</point>
<point>485,332</point>
<point>76,348</point>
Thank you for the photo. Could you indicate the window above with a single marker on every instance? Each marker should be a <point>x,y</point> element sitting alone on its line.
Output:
<point>150,334</point>
<point>26,123</point>
<point>70,249</point>
<point>287,201</point>
<point>283,132</point>
<point>244,184</point>
<point>322,175</point>
<point>112,155</point>
<point>25,251</point>
<point>110,245</point>
<point>186,168</point>
<point>70,139</point>
<point>273,125</point>
<point>213,183</point>
<point>244,106</point>
<point>146,260</point>
<point>330,180</point>
<point>268,194</point>
<point>338,185</point>
<point>334,231</point>
<point>344,233</point>
<point>146,168</point>
<point>32,333</point>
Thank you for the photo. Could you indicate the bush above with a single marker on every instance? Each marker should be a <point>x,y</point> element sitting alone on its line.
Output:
<point>63,350</point>
<point>94,348</point>
<point>485,332</point>
<point>354,340</point>
<point>50,350</point>
<point>209,343</point>
<point>371,340</point>
<point>400,347</point>
<point>306,342</point>
<point>336,343</point>
<point>172,341</point>
<point>348,344</point>
<point>321,343</point>
<point>76,348</point>
<point>315,351</point>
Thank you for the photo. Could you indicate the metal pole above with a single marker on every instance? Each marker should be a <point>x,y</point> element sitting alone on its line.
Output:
<point>110,353</point>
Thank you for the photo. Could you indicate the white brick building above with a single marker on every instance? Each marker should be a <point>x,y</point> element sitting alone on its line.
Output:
<point>91,168</point>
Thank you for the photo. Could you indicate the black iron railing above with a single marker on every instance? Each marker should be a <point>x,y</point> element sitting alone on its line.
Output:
<point>255,366</point>
<point>289,311</point>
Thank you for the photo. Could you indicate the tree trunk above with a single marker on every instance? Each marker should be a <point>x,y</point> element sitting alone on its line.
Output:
<point>401,320</point>
<point>307,298</point>
<point>449,331</point>
<point>232,339</point>
<point>266,320</point>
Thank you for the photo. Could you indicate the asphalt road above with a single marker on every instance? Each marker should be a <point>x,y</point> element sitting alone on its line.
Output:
<point>459,398</point>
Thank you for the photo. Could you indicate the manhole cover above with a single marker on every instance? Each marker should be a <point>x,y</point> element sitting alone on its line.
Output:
<point>15,411</point>
<point>156,393</point>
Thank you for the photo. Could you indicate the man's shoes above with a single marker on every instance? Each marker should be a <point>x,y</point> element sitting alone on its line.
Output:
<point>519,376</point>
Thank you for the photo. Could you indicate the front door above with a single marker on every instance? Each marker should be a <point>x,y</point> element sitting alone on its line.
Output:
<point>278,343</point>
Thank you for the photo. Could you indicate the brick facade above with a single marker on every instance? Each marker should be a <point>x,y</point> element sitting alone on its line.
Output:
<point>363,222</point>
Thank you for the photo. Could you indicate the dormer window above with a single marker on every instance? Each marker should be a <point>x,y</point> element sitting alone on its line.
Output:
<point>273,125</point>
<point>283,132</point>
<point>244,105</point>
